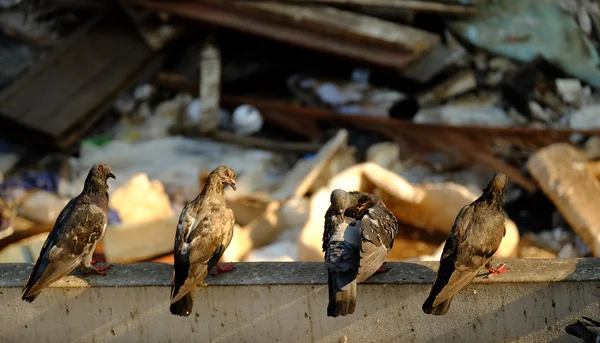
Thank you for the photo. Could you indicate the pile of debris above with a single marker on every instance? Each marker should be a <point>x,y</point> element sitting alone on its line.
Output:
<point>418,102</point>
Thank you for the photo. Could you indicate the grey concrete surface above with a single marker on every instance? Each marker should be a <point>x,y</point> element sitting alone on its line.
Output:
<point>286,302</point>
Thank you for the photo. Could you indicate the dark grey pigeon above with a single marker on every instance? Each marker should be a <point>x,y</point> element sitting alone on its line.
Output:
<point>359,233</point>
<point>473,240</point>
<point>72,241</point>
<point>587,329</point>
<point>204,232</point>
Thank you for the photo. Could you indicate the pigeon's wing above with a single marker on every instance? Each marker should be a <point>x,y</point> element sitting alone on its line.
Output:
<point>229,224</point>
<point>330,225</point>
<point>378,228</point>
<point>477,243</point>
<point>76,231</point>
<point>201,249</point>
<point>188,221</point>
<point>342,259</point>
<point>343,248</point>
<point>440,291</point>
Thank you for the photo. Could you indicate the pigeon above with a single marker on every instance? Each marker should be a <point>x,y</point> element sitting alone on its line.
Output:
<point>72,241</point>
<point>204,231</point>
<point>587,329</point>
<point>359,233</point>
<point>473,240</point>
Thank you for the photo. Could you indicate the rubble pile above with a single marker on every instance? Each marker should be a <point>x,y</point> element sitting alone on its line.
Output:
<point>417,102</point>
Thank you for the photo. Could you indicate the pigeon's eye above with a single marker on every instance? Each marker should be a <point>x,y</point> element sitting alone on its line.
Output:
<point>100,168</point>
<point>227,174</point>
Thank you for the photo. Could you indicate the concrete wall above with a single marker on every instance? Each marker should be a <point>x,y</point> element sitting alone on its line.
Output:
<point>286,302</point>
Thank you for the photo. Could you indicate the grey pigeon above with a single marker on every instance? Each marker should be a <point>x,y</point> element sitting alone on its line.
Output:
<point>72,241</point>
<point>204,232</point>
<point>587,329</point>
<point>473,240</point>
<point>359,233</point>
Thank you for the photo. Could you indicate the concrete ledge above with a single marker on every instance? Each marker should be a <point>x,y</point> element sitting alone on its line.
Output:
<point>286,302</point>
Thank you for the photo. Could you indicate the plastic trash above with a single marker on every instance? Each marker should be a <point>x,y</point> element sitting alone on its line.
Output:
<point>247,120</point>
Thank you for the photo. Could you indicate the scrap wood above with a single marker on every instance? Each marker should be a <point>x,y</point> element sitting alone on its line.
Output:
<point>23,229</point>
<point>435,61</point>
<point>298,181</point>
<point>560,170</point>
<point>470,148</point>
<point>366,121</point>
<point>155,36</point>
<point>139,241</point>
<point>410,5</point>
<point>321,28</point>
<point>252,142</point>
<point>93,66</point>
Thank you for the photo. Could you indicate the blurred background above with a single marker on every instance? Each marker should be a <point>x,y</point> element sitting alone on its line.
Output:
<point>419,102</point>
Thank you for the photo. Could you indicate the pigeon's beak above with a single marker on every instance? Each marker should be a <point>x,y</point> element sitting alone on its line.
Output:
<point>110,174</point>
<point>231,182</point>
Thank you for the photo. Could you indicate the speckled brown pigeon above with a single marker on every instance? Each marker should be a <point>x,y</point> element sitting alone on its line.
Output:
<point>473,240</point>
<point>204,232</point>
<point>359,233</point>
<point>72,241</point>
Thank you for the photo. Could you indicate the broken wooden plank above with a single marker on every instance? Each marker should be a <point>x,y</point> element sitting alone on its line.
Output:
<point>253,142</point>
<point>561,172</point>
<point>409,5</point>
<point>364,28</point>
<point>65,89</point>
<point>155,36</point>
<point>457,84</point>
<point>435,61</point>
<point>321,28</point>
<point>299,180</point>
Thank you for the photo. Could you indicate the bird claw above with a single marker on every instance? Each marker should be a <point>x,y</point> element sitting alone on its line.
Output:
<point>227,268</point>
<point>493,271</point>
<point>95,270</point>
<point>382,269</point>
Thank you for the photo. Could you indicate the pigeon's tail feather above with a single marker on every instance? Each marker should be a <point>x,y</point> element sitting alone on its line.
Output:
<point>45,275</point>
<point>183,307</point>
<point>342,301</point>
<point>29,298</point>
<point>438,310</point>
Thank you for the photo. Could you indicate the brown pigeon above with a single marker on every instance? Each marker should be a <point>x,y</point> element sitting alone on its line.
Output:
<point>72,241</point>
<point>473,240</point>
<point>359,233</point>
<point>204,232</point>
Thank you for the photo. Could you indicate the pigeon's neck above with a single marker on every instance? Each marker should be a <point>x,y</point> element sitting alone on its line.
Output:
<point>493,199</point>
<point>213,191</point>
<point>97,192</point>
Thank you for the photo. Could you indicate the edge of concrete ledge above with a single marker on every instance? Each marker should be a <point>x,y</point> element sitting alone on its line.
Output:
<point>146,274</point>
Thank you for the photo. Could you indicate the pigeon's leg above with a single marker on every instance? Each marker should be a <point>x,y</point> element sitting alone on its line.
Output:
<point>89,266</point>
<point>96,270</point>
<point>382,269</point>
<point>227,268</point>
<point>493,271</point>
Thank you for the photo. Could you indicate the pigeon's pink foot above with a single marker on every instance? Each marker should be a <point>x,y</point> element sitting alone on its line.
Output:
<point>493,271</point>
<point>227,268</point>
<point>99,270</point>
<point>382,269</point>
<point>94,262</point>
